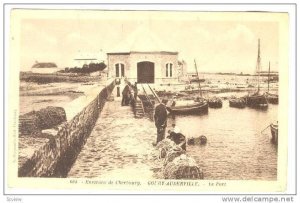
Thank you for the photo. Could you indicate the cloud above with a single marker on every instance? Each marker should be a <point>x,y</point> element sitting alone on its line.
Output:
<point>240,33</point>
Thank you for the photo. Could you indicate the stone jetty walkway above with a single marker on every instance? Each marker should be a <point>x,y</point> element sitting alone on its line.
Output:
<point>119,147</point>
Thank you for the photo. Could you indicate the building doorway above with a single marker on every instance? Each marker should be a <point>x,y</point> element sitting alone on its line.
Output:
<point>145,72</point>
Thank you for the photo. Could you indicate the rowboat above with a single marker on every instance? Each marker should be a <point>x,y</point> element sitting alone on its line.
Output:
<point>215,102</point>
<point>237,102</point>
<point>192,108</point>
<point>274,133</point>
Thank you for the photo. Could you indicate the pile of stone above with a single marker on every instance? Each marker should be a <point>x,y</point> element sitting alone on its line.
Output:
<point>45,118</point>
<point>177,164</point>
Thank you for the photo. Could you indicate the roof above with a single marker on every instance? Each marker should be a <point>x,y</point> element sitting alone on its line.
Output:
<point>143,40</point>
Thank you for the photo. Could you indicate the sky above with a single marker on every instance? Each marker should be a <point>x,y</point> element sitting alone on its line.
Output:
<point>218,43</point>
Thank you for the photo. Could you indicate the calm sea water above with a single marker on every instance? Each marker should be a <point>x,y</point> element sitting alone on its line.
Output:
<point>236,148</point>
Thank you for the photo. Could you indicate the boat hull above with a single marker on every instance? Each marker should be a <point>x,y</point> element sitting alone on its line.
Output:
<point>201,108</point>
<point>215,103</point>
<point>274,133</point>
<point>237,103</point>
<point>272,98</point>
<point>257,101</point>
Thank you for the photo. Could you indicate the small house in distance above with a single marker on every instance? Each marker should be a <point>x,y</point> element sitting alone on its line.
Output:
<point>144,58</point>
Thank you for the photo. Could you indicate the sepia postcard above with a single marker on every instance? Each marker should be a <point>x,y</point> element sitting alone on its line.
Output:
<point>143,101</point>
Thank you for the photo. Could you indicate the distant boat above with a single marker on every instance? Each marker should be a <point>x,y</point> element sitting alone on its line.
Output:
<point>215,102</point>
<point>274,133</point>
<point>197,80</point>
<point>257,100</point>
<point>237,102</point>
<point>272,98</point>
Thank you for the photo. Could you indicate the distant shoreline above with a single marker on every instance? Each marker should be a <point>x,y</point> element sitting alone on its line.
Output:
<point>241,74</point>
<point>44,78</point>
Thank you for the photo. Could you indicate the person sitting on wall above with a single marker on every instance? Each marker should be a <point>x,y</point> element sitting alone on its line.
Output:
<point>177,137</point>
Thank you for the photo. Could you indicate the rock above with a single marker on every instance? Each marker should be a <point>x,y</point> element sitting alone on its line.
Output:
<point>46,118</point>
<point>202,140</point>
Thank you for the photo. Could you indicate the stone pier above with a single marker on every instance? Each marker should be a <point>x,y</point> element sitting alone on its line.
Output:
<point>51,152</point>
<point>119,146</point>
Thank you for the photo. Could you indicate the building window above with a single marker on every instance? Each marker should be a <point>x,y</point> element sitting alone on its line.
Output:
<point>120,70</point>
<point>169,70</point>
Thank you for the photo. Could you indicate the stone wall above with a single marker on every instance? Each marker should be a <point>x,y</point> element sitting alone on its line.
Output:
<point>61,145</point>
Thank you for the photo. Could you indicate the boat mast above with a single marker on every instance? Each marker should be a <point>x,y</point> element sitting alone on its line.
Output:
<point>200,91</point>
<point>269,77</point>
<point>258,66</point>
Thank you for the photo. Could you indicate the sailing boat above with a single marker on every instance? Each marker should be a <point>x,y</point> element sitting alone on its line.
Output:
<point>272,98</point>
<point>257,100</point>
<point>198,106</point>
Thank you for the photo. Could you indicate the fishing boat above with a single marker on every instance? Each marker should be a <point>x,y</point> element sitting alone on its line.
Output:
<point>237,102</point>
<point>257,100</point>
<point>215,102</point>
<point>271,98</point>
<point>274,133</point>
<point>198,106</point>
<point>189,108</point>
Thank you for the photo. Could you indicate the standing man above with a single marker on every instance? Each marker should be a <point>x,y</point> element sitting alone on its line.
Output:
<point>125,95</point>
<point>160,119</point>
<point>135,90</point>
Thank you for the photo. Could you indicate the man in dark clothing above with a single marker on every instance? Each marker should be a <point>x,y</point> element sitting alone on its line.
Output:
<point>160,119</point>
<point>135,89</point>
<point>178,138</point>
<point>125,95</point>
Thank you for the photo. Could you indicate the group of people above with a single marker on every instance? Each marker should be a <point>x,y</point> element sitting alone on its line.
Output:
<point>129,94</point>
<point>160,119</point>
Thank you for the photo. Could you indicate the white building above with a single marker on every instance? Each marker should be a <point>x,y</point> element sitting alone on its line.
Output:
<point>144,58</point>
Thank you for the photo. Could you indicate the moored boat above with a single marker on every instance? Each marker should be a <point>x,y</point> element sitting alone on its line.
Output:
<point>274,133</point>
<point>198,106</point>
<point>192,108</point>
<point>237,102</point>
<point>257,100</point>
<point>271,98</point>
<point>215,102</point>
